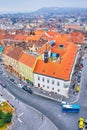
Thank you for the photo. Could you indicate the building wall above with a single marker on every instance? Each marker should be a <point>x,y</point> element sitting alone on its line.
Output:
<point>5,59</point>
<point>10,62</point>
<point>50,84</point>
<point>26,72</point>
<point>74,65</point>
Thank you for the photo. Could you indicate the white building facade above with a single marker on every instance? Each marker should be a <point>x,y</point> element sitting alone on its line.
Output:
<point>51,84</point>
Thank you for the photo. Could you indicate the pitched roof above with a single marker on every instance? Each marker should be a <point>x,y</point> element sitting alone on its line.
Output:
<point>1,36</point>
<point>7,49</point>
<point>15,53</point>
<point>27,59</point>
<point>39,32</point>
<point>33,38</point>
<point>44,47</point>
<point>20,37</point>
<point>61,69</point>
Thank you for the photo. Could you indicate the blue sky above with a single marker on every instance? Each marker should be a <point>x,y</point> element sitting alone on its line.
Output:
<point>32,5</point>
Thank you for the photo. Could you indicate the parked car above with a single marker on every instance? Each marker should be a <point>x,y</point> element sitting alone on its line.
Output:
<point>20,85</point>
<point>11,79</point>
<point>81,123</point>
<point>77,88</point>
<point>78,80</point>
<point>86,124</point>
<point>4,85</point>
<point>24,88</point>
<point>29,90</point>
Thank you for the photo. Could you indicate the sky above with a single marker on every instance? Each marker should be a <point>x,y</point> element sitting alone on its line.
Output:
<point>33,5</point>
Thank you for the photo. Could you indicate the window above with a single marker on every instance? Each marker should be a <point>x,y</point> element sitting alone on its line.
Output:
<point>57,83</point>
<point>52,88</point>
<point>61,46</point>
<point>65,86</point>
<point>58,90</point>
<point>38,78</point>
<point>43,86</point>
<point>47,80</point>
<point>52,82</point>
<point>38,85</point>
<point>47,86</point>
<point>43,79</point>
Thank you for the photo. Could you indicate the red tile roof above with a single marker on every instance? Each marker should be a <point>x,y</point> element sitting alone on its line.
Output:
<point>7,49</point>
<point>15,53</point>
<point>27,60</point>
<point>20,37</point>
<point>61,69</point>
<point>33,38</point>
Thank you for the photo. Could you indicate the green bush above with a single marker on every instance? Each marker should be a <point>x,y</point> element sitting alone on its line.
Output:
<point>1,114</point>
<point>2,123</point>
<point>8,117</point>
<point>5,118</point>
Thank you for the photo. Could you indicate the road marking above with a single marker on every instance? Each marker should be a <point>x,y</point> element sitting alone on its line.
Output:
<point>20,114</point>
<point>19,120</point>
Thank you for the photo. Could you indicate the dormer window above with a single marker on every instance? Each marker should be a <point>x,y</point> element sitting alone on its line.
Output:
<point>61,46</point>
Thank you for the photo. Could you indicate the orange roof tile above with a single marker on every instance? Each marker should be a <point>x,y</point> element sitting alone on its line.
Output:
<point>20,37</point>
<point>58,50</point>
<point>1,36</point>
<point>27,59</point>
<point>39,32</point>
<point>44,47</point>
<point>33,38</point>
<point>61,69</point>
<point>15,53</point>
<point>7,49</point>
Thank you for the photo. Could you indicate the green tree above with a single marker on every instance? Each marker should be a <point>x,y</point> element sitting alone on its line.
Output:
<point>1,123</point>
<point>1,114</point>
<point>8,117</point>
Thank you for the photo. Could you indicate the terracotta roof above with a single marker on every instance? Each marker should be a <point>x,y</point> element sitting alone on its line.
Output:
<point>58,50</point>
<point>44,47</point>
<point>1,36</point>
<point>39,32</point>
<point>52,33</point>
<point>15,53</point>
<point>20,37</point>
<point>61,69</point>
<point>77,37</point>
<point>8,36</point>
<point>7,49</point>
<point>27,59</point>
<point>33,38</point>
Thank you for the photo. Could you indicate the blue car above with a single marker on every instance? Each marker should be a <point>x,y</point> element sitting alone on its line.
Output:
<point>78,80</point>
